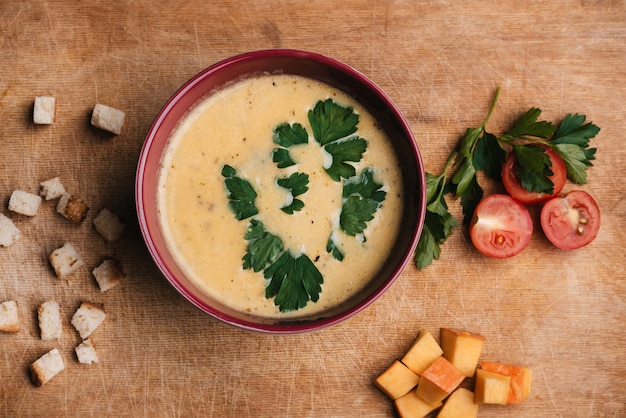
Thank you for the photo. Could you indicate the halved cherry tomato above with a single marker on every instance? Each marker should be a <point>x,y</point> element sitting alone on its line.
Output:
<point>513,186</point>
<point>571,221</point>
<point>501,226</point>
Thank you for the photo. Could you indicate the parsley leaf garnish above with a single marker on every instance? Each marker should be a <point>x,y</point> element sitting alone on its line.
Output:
<point>293,281</point>
<point>355,212</point>
<point>330,121</point>
<point>297,184</point>
<point>333,248</point>
<point>331,124</point>
<point>287,135</point>
<point>479,150</point>
<point>240,193</point>
<point>364,186</point>
<point>263,248</point>
<point>362,198</point>
<point>351,149</point>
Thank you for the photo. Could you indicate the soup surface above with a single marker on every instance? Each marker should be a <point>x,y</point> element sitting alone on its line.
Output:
<point>236,128</point>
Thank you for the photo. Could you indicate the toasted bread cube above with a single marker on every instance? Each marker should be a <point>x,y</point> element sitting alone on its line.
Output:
<point>491,387</point>
<point>459,405</point>
<point>422,353</point>
<point>397,380</point>
<point>86,352</point>
<point>462,349</point>
<point>24,203</point>
<point>8,231</point>
<point>107,118</point>
<point>412,406</point>
<point>46,367</point>
<point>49,315</point>
<point>88,318</point>
<point>72,208</point>
<point>65,260</point>
<point>108,274</point>
<point>9,316</point>
<point>52,188</point>
<point>44,110</point>
<point>108,225</point>
<point>438,381</point>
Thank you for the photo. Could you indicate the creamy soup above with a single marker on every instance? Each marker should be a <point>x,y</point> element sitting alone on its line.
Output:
<point>235,128</point>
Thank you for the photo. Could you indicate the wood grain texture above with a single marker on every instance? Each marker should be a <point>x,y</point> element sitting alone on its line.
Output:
<point>561,313</point>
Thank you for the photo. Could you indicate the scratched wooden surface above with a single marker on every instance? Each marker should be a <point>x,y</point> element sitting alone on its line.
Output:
<point>561,313</point>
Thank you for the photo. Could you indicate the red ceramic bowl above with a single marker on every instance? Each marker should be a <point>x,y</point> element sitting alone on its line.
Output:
<point>298,63</point>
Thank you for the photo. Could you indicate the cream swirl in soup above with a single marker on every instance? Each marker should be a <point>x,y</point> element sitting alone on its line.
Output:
<point>235,134</point>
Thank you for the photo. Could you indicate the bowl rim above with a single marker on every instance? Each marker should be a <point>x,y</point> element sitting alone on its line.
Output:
<point>175,99</point>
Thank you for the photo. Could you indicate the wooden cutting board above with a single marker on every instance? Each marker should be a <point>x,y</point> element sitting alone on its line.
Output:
<point>560,313</point>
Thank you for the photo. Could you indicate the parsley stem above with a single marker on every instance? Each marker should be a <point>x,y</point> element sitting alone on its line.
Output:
<point>492,108</point>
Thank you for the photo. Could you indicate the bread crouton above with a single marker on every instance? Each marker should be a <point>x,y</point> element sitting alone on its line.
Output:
<point>107,118</point>
<point>108,225</point>
<point>72,208</point>
<point>52,188</point>
<point>46,367</point>
<point>86,352</point>
<point>24,203</point>
<point>49,320</point>
<point>108,274</point>
<point>8,231</point>
<point>9,317</point>
<point>65,260</point>
<point>44,110</point>
<point>87,318</point>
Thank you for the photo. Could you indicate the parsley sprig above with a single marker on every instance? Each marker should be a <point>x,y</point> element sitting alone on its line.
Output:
<point>292,280</point>
<point>297,184</point>
<point>332,125</point>
<point>479,150</point>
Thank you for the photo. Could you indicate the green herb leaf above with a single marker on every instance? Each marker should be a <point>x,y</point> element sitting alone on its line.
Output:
<point>282,158</point>
<point>534,168</point>
<point>293,281</point>
<point>334,249</point>
<point>527,125</point>
<point>571,141</point>
<point>470,199</point>
<point>489,156</point>
<point>355,212</point>
<point>287,135</point>
<point>437,228</point>
<point>576,160</point>
<point>330,121</point>
<point>464,176</point>
<point>297,184</point>
<point>351,149</point>
<point>240,193</point>
<point>365,186</point>
<point>263,247</point>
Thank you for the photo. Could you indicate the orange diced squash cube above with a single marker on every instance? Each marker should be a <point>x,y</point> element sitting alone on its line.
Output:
<point>491,387</point>
<point>519,377</point>
<point>438,381</point>
<point>462,349</point>
<point>397,380</point>
<point>422,353</point>
<point>412,406</point>
<point>459,405</point>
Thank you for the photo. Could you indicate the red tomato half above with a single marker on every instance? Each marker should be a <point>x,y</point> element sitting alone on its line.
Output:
<point>501,226</point>
<point>571,221</point>
<point>513,186</point>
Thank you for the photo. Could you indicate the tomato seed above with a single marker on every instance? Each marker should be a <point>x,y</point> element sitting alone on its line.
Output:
<point>580,230</point>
